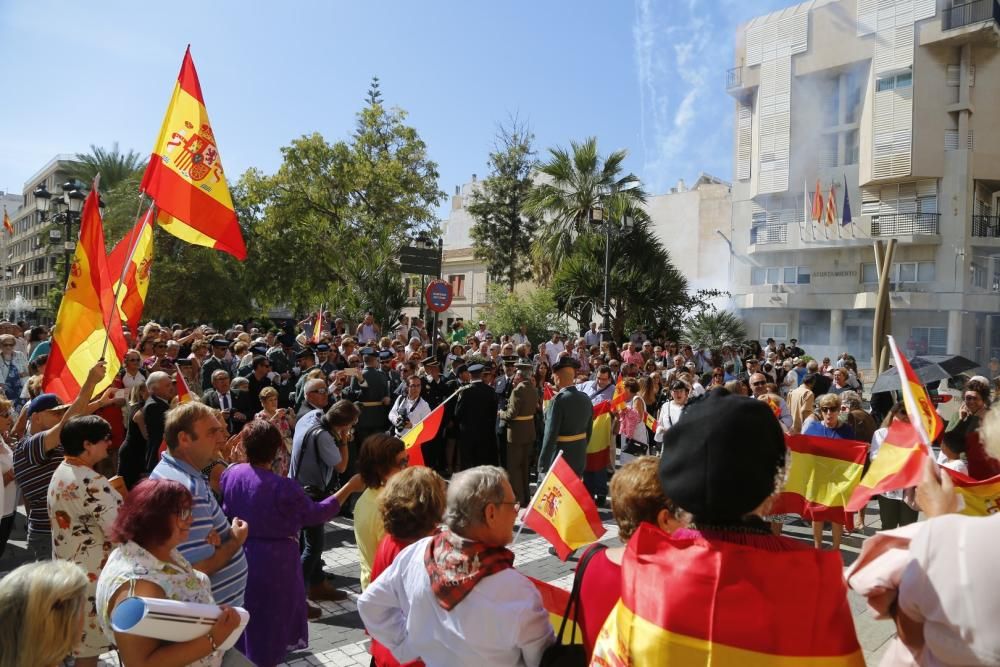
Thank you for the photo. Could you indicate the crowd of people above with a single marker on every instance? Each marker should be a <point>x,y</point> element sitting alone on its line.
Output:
<point>208,469</point>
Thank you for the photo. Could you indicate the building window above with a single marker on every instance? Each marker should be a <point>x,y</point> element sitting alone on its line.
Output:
<point>902,272</point>
<point>779,332</point>
<point>978,276</point>
<point>457,283</point>
<point>928,340</point>
<point>851,150</point>
<point>780,275</point>
<point>904,80</point>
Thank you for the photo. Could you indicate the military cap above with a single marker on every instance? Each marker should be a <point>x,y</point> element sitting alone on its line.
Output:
<point>566,362</point>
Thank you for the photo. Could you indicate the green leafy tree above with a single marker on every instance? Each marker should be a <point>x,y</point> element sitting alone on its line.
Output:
<point>537,310</point>
<point>336,212</point>
<point>502,233</point>
<point>714,330</point>
<point>571,183</point>
<point>644,286</point>
<point>113,166</point>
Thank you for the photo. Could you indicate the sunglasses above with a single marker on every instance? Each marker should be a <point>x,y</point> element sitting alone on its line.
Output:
<point>828,409</point>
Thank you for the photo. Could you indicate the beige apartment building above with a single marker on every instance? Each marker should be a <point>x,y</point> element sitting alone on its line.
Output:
<point>896,99</point>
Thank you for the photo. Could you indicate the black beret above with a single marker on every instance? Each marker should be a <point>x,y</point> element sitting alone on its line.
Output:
<point>721,458</point>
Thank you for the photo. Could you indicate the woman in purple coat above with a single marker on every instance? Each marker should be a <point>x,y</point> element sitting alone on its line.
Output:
<point>275,508</point>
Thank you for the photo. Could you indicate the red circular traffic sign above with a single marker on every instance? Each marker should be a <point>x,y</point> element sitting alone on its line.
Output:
<point>438,296</point>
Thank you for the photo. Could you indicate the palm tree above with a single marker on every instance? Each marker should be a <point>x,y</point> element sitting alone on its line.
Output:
<point>714,330</point>
<point>113,166</point>
<point>570,184</point>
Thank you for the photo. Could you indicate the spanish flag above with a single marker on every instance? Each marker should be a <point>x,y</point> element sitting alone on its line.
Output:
<point>183,393</point>
<point>563,512</point>
<point>87,315</point>
<point>423,432</point>
<point>556,600</point>
<point>547,395</point>
<point>822,475</point>
<point>184,176</point>
<point>981,498</point>
<point>599,445</point>
<point>900,460</point>
<point>6,222</point>
<point>618,398</point>
<point>694,602</point>
<point>129,264</point>
<point>318,325</point>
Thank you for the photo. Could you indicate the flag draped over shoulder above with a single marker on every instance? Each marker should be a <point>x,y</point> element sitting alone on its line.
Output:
<point>822,475</point>
<point>693,603</point>
<point>599,445</point>
<point>899,462</point>
<point>87,314</point>
<point>423,432</point>
<point>555,600</point>
<point>563,511</point>
<point>132,270</point>
<point>184,176</point>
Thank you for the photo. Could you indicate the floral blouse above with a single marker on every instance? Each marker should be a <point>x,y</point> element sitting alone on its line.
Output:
<point>178,580</point>
<point>82,507</point>
<point>282,458</point>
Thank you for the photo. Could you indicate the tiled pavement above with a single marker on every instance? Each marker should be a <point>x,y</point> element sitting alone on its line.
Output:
<point>338,637</point>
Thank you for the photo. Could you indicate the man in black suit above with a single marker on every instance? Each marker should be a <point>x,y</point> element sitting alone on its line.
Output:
<point>154,413</point>
<point>215,362</point>
<point>476,416</point>
<point>258,379</point>
<point>231,402</point>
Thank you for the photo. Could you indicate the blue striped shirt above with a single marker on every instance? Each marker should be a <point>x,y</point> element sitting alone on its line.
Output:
<point>230,581</point>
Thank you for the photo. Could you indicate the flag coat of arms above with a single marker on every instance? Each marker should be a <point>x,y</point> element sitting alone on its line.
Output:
<point>185,177</point>
<point>130,272</point>
<point>563,511</point>
<point>822,475</point>
<point>87,315</point>
<point>690,602</point>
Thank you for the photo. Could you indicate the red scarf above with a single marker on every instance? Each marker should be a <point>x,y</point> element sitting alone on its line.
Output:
<point>455,565</point>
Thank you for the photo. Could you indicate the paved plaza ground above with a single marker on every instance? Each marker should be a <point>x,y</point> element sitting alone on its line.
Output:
<point>338,637</point>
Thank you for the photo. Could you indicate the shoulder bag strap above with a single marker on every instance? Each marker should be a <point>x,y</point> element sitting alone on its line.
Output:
<point>574,597</point>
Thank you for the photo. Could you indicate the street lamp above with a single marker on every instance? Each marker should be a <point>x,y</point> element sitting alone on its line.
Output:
<point>72,201</point>
<point>596,217</point>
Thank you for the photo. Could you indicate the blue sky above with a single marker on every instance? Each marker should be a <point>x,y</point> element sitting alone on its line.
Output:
<point>647,76</point>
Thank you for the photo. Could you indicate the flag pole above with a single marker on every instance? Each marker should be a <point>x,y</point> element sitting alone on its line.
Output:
<point>534,498</point>
<point>133,243</point>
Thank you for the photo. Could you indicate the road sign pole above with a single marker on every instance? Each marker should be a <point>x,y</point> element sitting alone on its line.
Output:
<point>433,335</point>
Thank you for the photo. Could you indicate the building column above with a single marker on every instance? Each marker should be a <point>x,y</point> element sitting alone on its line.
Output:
<point>837,330</point>
<point>954,332</point>
<point>987,339</point>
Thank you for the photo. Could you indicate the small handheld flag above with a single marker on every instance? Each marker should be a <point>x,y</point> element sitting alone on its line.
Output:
<point>318,325</point>
<point>563,511</point>
<point>183,393</point>
<point>423,432</point>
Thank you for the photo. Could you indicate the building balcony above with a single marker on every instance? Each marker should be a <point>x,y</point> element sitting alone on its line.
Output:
<point>734,78</point>
<point>906,224</point>
<point>769,234</point>
<point>986,226</point>
<point>969,13</point>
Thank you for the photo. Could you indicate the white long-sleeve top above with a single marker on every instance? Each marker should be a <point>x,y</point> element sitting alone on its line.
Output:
<point>415,411</point>
<point>500,623</point>
<point>670,412</point>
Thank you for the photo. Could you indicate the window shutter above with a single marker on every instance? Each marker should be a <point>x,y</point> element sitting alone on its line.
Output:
<point>867,17</point>
<point>952,75</point>
<point>744,140</point>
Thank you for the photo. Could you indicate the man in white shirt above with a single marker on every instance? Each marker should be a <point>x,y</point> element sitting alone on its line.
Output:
<point>553,348</point>
<point>482,332</point>
<point>521,337</point>
<point>409,409</point>
<point>441,598</point>
<point>593,336</point>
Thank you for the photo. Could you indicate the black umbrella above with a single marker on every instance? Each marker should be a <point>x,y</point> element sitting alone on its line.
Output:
<point>928,369</point>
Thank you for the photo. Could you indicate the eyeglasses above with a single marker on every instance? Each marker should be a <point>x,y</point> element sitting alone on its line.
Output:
<point>829,409</point>
<point>184,514</point>
<point>516,504</point>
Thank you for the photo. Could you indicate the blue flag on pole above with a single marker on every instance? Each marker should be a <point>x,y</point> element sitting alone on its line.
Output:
<point>846,220</point>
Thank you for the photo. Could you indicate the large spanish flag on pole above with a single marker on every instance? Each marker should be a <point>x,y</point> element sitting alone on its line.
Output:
<point>562,511</point>
<point>599,445</point>
<point>691,602</point>
<point>900,460</point>
<point>822,475</point>
<point>129,265</point>
<point>423,432</point>
<point>87,315</point>
<point>184,176</point>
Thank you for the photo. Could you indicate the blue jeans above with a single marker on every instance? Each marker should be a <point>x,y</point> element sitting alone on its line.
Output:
<point>312,554</point>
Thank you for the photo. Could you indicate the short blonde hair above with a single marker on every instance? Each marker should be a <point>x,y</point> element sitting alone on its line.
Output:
<point>41,605</point>
<point>636,495</point>
<point>268,393</point>
<point>828,401</point>
<point>412,503</point>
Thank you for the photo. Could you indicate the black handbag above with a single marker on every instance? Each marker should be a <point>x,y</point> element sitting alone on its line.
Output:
<point>571,655</point>
<point>635,448</point>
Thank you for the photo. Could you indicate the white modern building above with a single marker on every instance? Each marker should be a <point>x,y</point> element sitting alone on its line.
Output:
<point>896,99</point>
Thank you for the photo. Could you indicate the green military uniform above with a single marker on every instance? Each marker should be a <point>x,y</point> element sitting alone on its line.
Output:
<point>568,423</point>
<point>519,416</point>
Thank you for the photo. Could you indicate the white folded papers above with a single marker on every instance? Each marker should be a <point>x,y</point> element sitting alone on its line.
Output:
<point>171,620</point>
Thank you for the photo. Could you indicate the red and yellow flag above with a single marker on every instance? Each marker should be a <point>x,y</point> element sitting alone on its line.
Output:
<point>547,395</point>
<point>423,432</point>
<point>555,600</point>
<point>618,398</point>
<point>87,315</point>
<point>563,511</point>
<point>980,498</point>
<point>132,271</point>
<point>184,176</point>
<point>817,211</point>
<point>831,207</point>
<point>6,222</point>
<point>822,475</point>
<point>918,404</point>
<point>318,326</point>
<point>899,464</point>
<point>728,604</point>
<point>183,393</point>
<point>599,445</point>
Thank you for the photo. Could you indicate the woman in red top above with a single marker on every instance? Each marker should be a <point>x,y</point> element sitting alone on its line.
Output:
<point>411,506</point>
<point>636,497</point>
